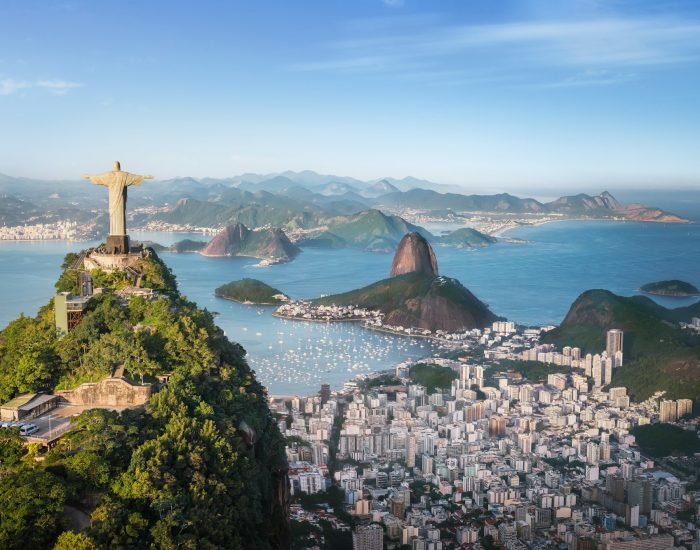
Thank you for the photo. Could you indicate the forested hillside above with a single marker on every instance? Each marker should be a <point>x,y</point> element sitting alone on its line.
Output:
<point>201,466</point>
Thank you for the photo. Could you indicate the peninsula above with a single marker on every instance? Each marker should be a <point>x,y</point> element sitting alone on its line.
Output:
<point>414,298</point>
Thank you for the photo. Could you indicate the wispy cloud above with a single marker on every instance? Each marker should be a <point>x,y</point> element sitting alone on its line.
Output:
<point>59,87</point>
<point>11,86</point>
<point>612,46</point>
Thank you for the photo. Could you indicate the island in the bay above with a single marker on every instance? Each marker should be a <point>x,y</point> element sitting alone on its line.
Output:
<point>672,287</point>
<point>251,291</point>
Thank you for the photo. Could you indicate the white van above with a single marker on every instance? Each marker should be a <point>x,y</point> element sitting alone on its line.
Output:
<point>28,429</point>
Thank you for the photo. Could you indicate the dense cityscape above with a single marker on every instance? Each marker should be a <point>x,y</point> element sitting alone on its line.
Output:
<point>493,460</point>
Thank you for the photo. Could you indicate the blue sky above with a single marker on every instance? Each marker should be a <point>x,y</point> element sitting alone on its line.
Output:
<point>490,95</point>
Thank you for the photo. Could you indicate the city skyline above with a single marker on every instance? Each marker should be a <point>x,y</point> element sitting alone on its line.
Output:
<point>505,97</point>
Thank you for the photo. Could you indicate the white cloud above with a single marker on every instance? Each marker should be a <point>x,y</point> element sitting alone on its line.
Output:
<point>617,45</point>
<point>11,86</point>
<point>57,86</point>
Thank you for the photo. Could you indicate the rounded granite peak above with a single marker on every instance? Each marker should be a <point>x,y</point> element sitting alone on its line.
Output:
<point>414,255</point>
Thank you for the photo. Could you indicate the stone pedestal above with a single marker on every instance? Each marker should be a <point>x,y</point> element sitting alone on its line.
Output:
<point>117,244</point>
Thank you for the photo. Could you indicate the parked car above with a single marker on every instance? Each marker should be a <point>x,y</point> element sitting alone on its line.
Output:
<point>28,429</point>
<point>11,424</point>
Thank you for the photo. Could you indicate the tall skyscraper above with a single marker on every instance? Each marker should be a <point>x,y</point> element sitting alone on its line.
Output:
<point>411,451</point>
<point>614,341</point>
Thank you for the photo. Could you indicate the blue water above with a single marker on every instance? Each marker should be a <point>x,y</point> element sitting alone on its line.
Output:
<point>532,283</point>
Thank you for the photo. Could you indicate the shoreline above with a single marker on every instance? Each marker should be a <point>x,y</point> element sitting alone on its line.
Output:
<point>246,303</point>
<point>665,295</point>
<point>368,327</point>
<point>499,233</point>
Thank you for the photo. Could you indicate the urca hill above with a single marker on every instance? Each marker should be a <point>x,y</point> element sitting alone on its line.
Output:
<point>201,465</point>
<point>415,295</point>
<point>659,353</point>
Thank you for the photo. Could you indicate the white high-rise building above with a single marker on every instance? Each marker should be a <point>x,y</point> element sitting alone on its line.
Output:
<point>311,482</point>
<point>685,406</point>
<point>411,451</point>
<point>592,453</point>
<point>668,411</point>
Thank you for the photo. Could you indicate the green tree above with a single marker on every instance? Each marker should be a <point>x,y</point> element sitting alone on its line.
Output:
<point>188,345</point>
<point>31,507</point>
<point>74,541</point>
<point>28,361</point>
<point>116,524</point>
<point>11,448</point>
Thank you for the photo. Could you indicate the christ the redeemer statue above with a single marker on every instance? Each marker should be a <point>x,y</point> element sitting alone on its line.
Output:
<point>117,182</point>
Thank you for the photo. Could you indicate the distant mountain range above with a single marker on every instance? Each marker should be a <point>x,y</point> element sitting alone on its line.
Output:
<point>290,200</point>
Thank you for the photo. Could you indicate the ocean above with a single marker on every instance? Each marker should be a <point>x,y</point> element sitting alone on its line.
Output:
<point>531,283</point>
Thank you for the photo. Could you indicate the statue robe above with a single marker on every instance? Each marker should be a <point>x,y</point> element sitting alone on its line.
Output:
<point>117,182</point>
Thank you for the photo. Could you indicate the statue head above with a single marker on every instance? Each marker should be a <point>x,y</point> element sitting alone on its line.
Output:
<point>116,167</point>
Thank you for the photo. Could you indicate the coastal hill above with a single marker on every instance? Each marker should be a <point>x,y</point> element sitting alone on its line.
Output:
<point>673,287</point>
<point>418,298</point>
<point>466,237</point>
<point>157,476</point>
<point>187,245</point>
<point>373,230</point>
<point>659,354</point>
<point>585,203</point>
<point>250,291</point>
<point>267,244</point>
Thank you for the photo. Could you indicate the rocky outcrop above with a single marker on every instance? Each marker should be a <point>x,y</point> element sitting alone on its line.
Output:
<point>414,255</point>
<point>228,241</point>
<point>271,245</point>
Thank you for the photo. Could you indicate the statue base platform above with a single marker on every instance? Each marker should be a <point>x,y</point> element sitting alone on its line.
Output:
<point>117,244</point>
<point>115,255</point>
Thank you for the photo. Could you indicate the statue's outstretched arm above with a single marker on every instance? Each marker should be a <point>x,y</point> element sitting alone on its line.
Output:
<point>100,179</point>
<point>133,179</point>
